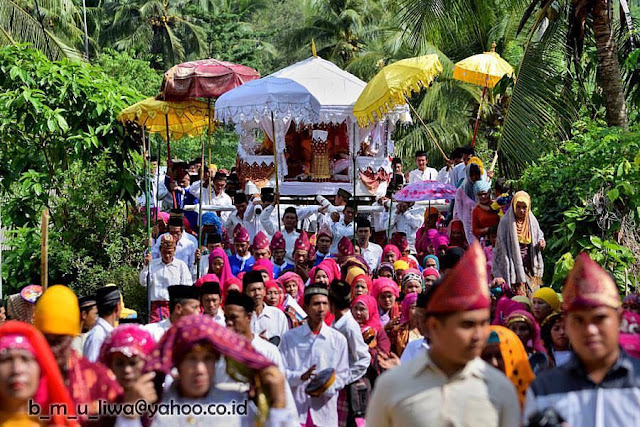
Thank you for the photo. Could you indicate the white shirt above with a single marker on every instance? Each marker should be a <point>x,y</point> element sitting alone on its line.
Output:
<point>219,318</point>
<point>407,222</point>
<point>428,174</point>
<point>269,222</point>
<point>248,221</point>
<point>185,249</point>
<point>272,320</point>
<point>457,174</point>
<point>163,275</point>
<point>413,349</point>
<point>158,329</point>
<point>418,393</point>
<point>95,338</point>
<point>359,356</point>
<point>216,200</point>
<point>372,255</point>
<point>301,349</point>
<point>340,230</point>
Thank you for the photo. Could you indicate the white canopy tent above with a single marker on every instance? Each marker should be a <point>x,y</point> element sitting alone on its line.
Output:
<point>334,90</point>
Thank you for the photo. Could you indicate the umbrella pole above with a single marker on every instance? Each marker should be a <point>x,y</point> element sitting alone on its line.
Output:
<point>147,203</point>
<point>427,129</point>
<point>157,181</point>
<point>477,125</point>
<point>209,138</point>
<point>275,164</point>
<point>355,205</point>
<point>390,213</point>
<point>166,121</point>
<point>200,205</point>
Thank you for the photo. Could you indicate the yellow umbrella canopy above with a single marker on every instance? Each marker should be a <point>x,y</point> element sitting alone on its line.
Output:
<point>393,84</point>
<point>182,118</point>
<point>484,69</point>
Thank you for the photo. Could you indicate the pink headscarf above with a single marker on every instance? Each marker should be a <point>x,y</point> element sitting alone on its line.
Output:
<point>372,307</point>
<point>536,342</point>
<point>264,265</point>
<point>391,248</point>
<point>291,276</point>
<point>225,274</point>
<point>210,277</point>
<point>329,266</point>
<point>162,216</point>
<point>504,308</point>
<point>384,284</point>
<point>130,340</point>
<point>367,281</point>
<point>431,272</point>
<point>405,308</point>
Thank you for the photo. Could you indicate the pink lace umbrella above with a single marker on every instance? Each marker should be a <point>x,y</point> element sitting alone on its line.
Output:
<point>425,190</point>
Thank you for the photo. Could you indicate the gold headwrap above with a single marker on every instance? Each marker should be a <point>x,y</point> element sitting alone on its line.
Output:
<point>522,227</point>
<point>57,312</point>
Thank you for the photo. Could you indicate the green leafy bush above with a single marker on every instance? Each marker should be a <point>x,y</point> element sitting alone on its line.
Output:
<point>585,195</point>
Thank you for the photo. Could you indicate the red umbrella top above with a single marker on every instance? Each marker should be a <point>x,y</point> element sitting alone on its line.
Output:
<point>425,190</point>
<point>207,78</point>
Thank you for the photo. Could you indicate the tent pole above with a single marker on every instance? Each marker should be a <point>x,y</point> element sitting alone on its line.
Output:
<point>275,164</point>
<point>147,203</point>
<point>355,205</point>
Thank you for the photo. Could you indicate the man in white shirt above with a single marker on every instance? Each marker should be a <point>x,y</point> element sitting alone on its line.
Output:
<point>183,301</point>
<point>245,215</point>
<point>88,319</point>
<point>186,244</point>
<point>450,384</point>
<point>407,219</point>
<point>289,232</point>
<point>109,308</point>
<point>370,251</point>
<point>324,241</point>
<point>218,195</point>
<point>359,356</point>
<point>210,298</point>
<point>423,173</point>
<point>162,273</point>
<point>445,175</point>
<point>268,322</point>
<point>312,348</point>
<point>342,227</point>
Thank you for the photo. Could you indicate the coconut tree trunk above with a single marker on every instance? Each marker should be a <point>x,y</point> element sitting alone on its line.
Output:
<point>608,66</point>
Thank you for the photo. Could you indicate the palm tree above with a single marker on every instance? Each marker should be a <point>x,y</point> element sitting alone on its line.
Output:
<point>600,13</point>
<point>52,26</point>
<point>156,27</point>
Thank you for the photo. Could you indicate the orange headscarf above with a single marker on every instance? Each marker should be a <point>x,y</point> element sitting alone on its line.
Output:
<point>516,362</point>
<point>523,228</point>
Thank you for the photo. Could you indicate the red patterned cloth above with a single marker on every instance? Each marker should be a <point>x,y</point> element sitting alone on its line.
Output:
<point>588,285</point>
<point>130,340</point>
<point>159,311</point>
<point>195,329</point>
<point>302,242</point>
<point>91,382</point>
<point>464,288</point>
<point>278,242</point>
<point>240,234</point>
<point>261,241</point>
<point>345,248</point>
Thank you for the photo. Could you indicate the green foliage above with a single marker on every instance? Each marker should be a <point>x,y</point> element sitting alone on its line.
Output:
<point>129,72</point>
<point>61,148</point>
<point>586,198</point>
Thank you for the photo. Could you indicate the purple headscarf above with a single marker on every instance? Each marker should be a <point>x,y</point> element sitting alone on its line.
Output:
<point>405,310</point>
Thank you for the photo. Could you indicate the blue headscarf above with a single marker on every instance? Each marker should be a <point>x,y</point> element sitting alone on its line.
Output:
<point>424,261</point>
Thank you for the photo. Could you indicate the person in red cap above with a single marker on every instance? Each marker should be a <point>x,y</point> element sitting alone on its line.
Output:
<point>449,384</point>
<point>278,248</point>
<point>261,246</point>
<point>301,255</point>
<point>324,241</point>
<point>242,260</point>
<point>599,386</point>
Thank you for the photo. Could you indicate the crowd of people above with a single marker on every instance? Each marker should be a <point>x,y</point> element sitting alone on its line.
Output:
<point>324,321</point>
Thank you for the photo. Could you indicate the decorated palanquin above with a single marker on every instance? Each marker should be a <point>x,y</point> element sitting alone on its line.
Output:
<point>316,156</point>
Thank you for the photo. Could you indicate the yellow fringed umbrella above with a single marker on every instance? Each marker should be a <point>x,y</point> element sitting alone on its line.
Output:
<point>393,85</point>
<point>169,119</point>
<point>485,69</point>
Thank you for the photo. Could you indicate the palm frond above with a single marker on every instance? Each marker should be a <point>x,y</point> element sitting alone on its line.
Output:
<point>541,104</point>
<point>19,26</point>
